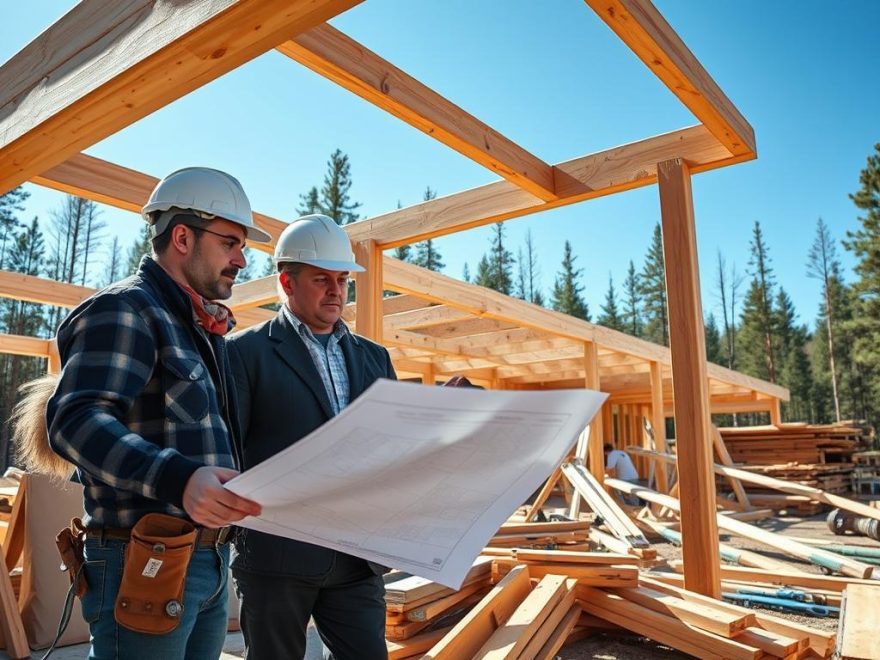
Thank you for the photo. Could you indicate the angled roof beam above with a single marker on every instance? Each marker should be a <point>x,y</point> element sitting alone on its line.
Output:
<point>108,183</point>
<point>614,170</point>
<point>106,64</point>
<point>339,58</point>
<point>652,39</point>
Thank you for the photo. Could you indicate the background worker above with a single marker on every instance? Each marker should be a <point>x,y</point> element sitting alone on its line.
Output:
<point>143,410</point>
<point>293,373</point>
<point>619,464</point>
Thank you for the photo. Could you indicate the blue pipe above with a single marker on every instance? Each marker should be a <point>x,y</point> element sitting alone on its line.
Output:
<point>782,604</point>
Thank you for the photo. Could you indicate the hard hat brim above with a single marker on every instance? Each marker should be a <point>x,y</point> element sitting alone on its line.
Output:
<point>327,264</point>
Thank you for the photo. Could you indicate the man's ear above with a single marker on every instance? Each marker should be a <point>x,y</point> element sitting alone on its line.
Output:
<point>181,239</point>
<point>284,279</point>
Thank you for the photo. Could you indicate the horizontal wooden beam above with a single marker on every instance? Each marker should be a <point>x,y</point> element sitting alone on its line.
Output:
<point>652,39</point>
<point>339,58</point>
<point>21,345</point>
<point>29,288</point>
<point>106,64</point>
<point>613,170</point>
<point>108,183</point>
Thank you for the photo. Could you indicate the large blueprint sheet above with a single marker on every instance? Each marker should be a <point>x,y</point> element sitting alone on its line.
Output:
<point>417,477</point>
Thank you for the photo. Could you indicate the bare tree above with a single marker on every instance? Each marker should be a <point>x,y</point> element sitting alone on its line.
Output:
<point>822,264</point>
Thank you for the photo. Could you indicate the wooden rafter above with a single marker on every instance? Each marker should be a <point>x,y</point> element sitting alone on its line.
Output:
<point>123,188</point>
<point>611,171</point>
<point>339,58</point>
<point>106,64</point>
<point>652,39</point>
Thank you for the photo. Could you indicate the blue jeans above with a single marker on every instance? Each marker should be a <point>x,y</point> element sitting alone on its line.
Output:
<point>202,629</point>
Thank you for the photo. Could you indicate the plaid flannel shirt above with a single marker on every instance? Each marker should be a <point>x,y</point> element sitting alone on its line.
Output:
<point>138,408</point>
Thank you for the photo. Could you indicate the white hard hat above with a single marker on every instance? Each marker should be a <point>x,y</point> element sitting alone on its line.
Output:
<point>318,241</point>
<point>209,193</point>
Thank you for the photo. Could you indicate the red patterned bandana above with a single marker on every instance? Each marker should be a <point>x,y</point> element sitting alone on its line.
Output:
<point>214,317</point>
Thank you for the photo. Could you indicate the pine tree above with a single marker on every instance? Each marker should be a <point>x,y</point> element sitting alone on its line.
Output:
<point>823,265</point>
<point>610,316</point>
<point>466,273</point>
<point>864,243</point>
<point>632,303</point>
<point>757,352</point>
<point>142,245</point>
<point>495,269</point>
<point>566,295</point>
<point>309,203</point>
<point>714,352</point>
<point>335,200</point>
<point>402,252</point>
<point>10,203</point>
<point>653,291</point>
<point>794,368</point>
<point>427,255</point>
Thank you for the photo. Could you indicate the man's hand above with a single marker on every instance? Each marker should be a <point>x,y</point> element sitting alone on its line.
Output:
<point>208,503</point>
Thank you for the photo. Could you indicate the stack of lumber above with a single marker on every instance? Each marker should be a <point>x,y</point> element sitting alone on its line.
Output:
<point>819,456</point>
<point>808,444</point>
<point>564,535</point>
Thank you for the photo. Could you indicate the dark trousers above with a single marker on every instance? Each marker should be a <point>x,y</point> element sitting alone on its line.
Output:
<point>347,603</point>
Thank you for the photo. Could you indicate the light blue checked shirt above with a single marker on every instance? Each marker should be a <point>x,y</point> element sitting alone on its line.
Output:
<point>330,361</point>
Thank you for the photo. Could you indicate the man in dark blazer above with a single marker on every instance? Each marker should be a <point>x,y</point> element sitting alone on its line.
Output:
<point>293,373</point>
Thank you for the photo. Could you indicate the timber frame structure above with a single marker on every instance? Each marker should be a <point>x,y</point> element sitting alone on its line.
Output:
<point>106,64</point>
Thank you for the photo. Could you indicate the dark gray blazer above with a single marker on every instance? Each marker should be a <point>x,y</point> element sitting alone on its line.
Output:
<point>282,399</point>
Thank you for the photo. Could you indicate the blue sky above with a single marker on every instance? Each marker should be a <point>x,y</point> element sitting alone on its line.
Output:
<point>552,77</point>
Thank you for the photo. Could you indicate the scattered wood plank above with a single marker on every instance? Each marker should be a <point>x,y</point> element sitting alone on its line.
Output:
<point>602,503</point>
<point>813,555</point>
<point>513,635</point>
<point>789,578</point>
<point>664,629</point>
<point>789,487</point>
<point>398,650</point>
<point>819,641</point>
<point>600,576</point>
<point>554,625</point>
<point>564,556</point>
<point>469,634</point>
<point>700,615</point>
<point>857,632</point>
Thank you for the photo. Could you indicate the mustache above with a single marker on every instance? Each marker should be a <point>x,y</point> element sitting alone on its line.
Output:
<point>230,272</point>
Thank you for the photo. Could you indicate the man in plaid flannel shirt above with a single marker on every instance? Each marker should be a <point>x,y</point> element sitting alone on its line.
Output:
<point>146,410</point>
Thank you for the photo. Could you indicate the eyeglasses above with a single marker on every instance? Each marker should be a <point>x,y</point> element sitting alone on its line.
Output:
<point>229,242</point>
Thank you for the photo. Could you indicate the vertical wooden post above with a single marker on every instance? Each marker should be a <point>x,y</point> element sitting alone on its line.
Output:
<point>369,290</point>
<point>607,423</point>
<point>53,365</point>
<point>696,478</point>
<point>658,421</point>
<point>775,412</point>
<point>591,382</point>
<point>429,375</point>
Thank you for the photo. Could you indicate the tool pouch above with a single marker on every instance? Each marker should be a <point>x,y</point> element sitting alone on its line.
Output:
<point>150,598</point>
<point>70,542</point>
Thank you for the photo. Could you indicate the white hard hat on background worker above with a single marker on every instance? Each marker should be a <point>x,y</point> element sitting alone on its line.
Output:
<point>206,193</point>
<point>318,241</point>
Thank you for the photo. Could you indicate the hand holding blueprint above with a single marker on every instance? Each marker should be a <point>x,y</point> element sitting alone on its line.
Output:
<point>417,477</point>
